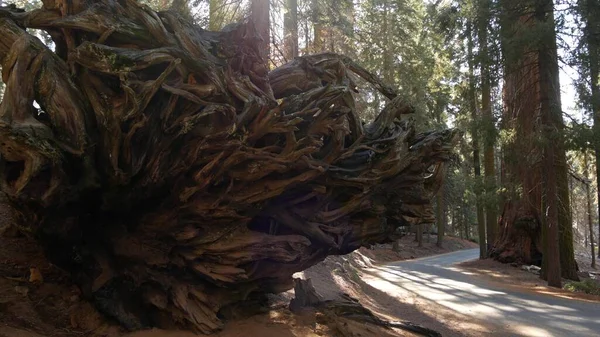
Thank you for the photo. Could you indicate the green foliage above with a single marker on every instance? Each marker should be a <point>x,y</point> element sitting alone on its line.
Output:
<point>587,286</point>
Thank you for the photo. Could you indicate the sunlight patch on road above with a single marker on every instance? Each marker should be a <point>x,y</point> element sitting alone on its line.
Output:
<point>455,295</point>
<point>530,331</point>
<point>467,287</point>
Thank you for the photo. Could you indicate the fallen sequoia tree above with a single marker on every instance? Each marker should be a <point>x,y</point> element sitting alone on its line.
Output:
<point>173,175</point>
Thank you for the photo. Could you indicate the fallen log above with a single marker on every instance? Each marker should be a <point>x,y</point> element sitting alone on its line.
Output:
<point>173,175</point>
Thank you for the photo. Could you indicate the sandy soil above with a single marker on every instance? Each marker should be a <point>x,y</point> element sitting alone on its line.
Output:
<point>51,306</point>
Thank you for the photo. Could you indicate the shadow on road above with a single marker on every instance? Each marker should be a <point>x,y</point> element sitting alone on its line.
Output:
<point>437,281</point>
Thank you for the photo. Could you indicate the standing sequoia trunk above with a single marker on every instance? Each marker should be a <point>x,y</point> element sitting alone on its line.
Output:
<point>167,178</point>
<point>532,112</point>
<point>590,10</point>
<point>520,222</point>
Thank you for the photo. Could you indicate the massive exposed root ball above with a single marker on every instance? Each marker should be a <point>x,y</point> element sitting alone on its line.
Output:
<point>173,175</point>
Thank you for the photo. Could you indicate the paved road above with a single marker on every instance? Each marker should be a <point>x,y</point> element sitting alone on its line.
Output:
<point>516,313</point>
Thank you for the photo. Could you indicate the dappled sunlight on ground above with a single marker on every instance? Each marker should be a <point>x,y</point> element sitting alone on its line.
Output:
<point>518,279</point>
<point>436,286</point>
<point>530,331</point>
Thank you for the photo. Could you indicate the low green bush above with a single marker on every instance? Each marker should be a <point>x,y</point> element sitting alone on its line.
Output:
<point>587,286</point>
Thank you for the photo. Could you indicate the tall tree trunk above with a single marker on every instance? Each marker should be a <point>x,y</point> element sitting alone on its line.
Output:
<point>531,95</point>
<point>590,11</point>
<point>556,206</point>
<point>347,46</point>
<point>519,237</point>
<point>465,220</point>
<point>260,10</point>
<point>588,194</point>
<point>318,27</point>
<point>475,135</point>
<point>550,100</point>
<point>388,71</point>
<point>290,29</point>
<point>489,139</point>
<point>428,229</point>
<point>453,221</point>
<point>441,217</point>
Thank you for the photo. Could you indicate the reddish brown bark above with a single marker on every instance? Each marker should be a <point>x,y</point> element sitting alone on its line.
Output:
<point>535,174</point>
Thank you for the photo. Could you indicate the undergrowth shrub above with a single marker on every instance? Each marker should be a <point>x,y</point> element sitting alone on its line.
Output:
<point>587,286</point>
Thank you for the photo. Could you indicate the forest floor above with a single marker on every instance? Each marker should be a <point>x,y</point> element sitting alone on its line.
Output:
<point>516,277</point>
<point>50,305</point>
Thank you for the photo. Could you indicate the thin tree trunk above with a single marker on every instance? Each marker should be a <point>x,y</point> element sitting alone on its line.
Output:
<point>589,206</point>
<point>260,10</point>
<point>290,26</point>
<point>420,235</point>
<point>491,206</point>
<point>347,46</point>
<point>465,220</point>
<point>452,222</point>
<point>428,231</point>
<point>475,144</point>
<point>441,217</point>
<point>318,29</point>
<point>388,72</point>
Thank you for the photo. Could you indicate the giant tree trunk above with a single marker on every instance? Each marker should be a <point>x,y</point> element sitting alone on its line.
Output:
<point>162,172</point>
<point>590,10</point>
<point>532,115</point>
<point>519,237</point>
<point>554,204</point>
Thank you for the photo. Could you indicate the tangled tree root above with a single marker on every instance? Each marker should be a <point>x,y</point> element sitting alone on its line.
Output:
<point>173,175</point>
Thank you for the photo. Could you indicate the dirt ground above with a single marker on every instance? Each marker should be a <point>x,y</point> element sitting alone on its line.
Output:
<point>38,300</point>
<point>525,280</point>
